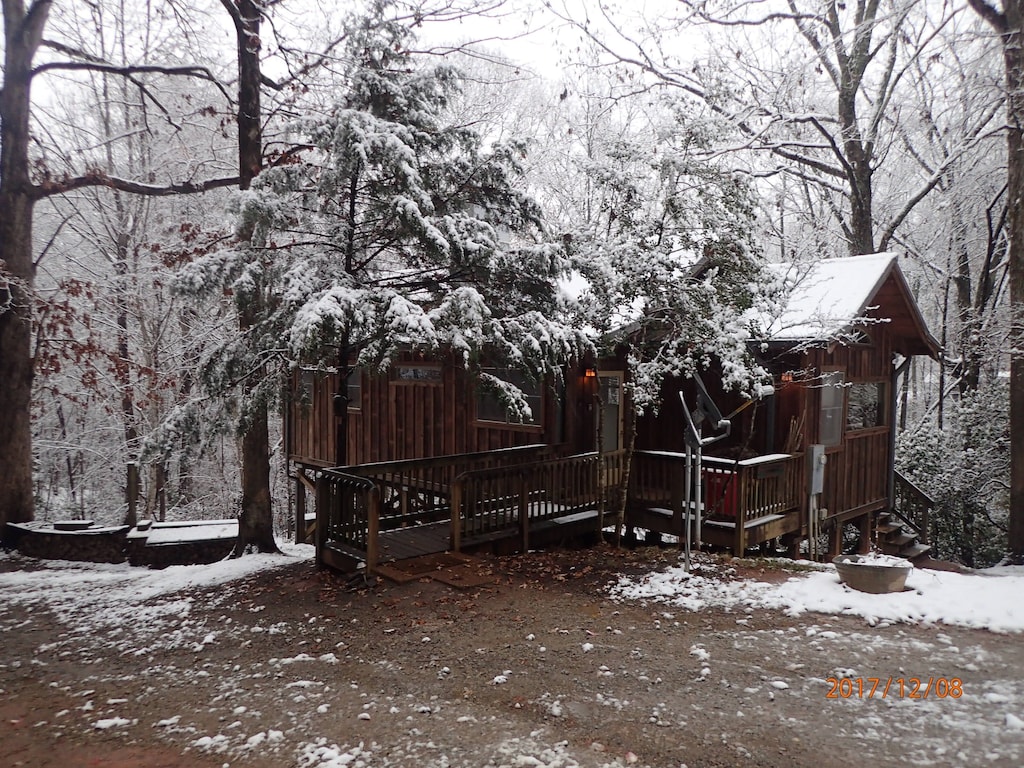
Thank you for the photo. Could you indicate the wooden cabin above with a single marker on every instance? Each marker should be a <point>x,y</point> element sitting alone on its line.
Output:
<point>835,354</point>
<point>420,459</point>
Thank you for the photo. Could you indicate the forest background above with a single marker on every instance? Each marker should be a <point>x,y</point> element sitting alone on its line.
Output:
<point>158,210</point>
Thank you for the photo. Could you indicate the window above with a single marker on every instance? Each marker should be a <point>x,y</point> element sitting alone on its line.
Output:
<point>489,404</point>
<point>866,405</point>
<point>354,388</point>
<point>304,390</point>
<point>830,423</point>
<point>418,374</point>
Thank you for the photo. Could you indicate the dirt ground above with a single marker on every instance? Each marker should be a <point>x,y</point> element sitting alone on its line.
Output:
<point>533,667</point>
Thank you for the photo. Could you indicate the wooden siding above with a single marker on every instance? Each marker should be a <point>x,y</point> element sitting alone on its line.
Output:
<point>857,474</point>
<point>399,419</point>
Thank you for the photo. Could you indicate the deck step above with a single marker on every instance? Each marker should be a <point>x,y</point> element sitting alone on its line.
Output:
<point>916,552</point>
<point>884,529</point>
<point>902,540</point>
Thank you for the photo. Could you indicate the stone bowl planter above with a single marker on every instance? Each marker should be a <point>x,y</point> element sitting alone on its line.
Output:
<point>876,574</point>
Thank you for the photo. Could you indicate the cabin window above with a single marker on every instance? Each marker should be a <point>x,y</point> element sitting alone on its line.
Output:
<point>866,405</point>
<point>610,415</point>
<point>354,388</point>
<point>489,406</point>
<point>418,374</point>
<point>304,392</point>
<point>352,397</point>
<point>830,423</point>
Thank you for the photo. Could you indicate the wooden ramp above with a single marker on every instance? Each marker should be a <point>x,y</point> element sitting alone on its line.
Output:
<point>414,541</point>
<point>452,568</point>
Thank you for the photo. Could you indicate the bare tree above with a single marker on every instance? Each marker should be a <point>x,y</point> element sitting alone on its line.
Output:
<point>816,87</point>
<point>1009,25</point>
<point>20,190</point>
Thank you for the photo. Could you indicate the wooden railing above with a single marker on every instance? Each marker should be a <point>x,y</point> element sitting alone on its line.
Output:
<point>417,491</point>
<point>348,515</point>
<point>491,501</point>
<point>856,477</point>
<point>733,491</point>
<point>912,506</point>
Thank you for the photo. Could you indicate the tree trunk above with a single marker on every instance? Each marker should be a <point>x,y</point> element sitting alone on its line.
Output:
<point>23,33</point>
<point>1009,24</point>
<point>256,521</point>
<point>1014,57</point>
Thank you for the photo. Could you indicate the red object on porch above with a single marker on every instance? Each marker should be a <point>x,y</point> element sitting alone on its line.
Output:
<point>720,494</point>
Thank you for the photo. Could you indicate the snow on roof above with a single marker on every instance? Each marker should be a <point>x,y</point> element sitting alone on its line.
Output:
<point>828,296</point>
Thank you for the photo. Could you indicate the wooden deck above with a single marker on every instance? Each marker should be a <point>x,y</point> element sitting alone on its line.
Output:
<point>745,503</point>
<point>377,514</point>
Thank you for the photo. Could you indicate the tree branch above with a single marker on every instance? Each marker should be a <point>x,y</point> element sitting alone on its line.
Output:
<point>97,178</point>
<point>200,73</point>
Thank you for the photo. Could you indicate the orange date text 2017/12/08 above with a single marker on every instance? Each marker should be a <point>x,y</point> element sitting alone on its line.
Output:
<point>896,687</point>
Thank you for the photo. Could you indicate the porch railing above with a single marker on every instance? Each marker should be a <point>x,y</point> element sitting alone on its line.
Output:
<point>733,491</point>
<point>912,506</point>
<point>348,515</point>
<point>492,501</point>
<point>416,491</point>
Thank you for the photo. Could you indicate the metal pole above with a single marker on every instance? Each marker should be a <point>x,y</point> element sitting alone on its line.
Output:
<point>698,491</point>
<point>687,497</point>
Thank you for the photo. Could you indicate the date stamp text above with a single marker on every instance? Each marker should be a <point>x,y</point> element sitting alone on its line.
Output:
<point>896,687</point>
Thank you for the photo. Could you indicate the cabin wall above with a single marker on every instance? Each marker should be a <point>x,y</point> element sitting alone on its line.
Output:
<point>421,409</point>
<point>857,469</point>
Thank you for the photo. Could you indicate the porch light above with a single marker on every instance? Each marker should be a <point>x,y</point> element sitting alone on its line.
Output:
<point>590,373</point>
<point>787,378</point>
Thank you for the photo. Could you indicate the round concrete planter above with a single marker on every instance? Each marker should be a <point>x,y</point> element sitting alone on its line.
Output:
<point>864,574</point>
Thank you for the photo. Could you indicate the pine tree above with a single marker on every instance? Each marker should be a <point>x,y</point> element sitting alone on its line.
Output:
<point>395,230</point>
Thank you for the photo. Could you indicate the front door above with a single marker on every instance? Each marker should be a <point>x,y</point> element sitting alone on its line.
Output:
<point>609,416</point>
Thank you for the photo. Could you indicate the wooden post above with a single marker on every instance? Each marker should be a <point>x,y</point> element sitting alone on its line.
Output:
<point>372,528</point>
<point>835,540</point>
<point>300,511</point>
<point>864,545</point>
<point>323,503</point>
<point>456,504</point>
<point>742,487</point>
<point>524,515</point>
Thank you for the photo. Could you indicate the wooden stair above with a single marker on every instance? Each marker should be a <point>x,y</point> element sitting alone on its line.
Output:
<point>894,537</point>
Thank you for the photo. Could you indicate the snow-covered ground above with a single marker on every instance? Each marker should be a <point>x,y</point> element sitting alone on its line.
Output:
<point>988,599</point>
<point>305,686</point>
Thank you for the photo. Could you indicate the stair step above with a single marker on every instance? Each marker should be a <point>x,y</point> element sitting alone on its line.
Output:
<point>887,528</point>
<point>916,552</point>
<point>902,540</point>
<point>882,518</point>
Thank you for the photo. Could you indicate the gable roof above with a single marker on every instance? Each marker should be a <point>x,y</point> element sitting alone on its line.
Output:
<point>833,298</point>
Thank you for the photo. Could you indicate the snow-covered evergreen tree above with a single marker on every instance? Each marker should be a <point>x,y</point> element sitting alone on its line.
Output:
<point>670,264</point>
<point>394,230</point>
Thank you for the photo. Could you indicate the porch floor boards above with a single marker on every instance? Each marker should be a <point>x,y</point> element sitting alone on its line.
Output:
<point>414,541</point>
<point>717,532</point>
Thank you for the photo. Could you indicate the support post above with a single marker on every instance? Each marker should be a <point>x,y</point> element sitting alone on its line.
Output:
<point>300,511</point>
<point>524,515</point>
<point>455,536</point>
<point>132,491</point>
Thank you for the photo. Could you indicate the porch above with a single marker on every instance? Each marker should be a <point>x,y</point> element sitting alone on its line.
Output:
<point>516,498</point>
<point>745,503</point>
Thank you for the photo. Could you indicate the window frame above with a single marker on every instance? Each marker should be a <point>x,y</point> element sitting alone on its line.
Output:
<point>537,396</point>
<point>881,405</point>
<point>838,409</point>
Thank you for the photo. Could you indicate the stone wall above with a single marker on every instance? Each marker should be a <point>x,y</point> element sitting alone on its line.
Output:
<point>101,545</point>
